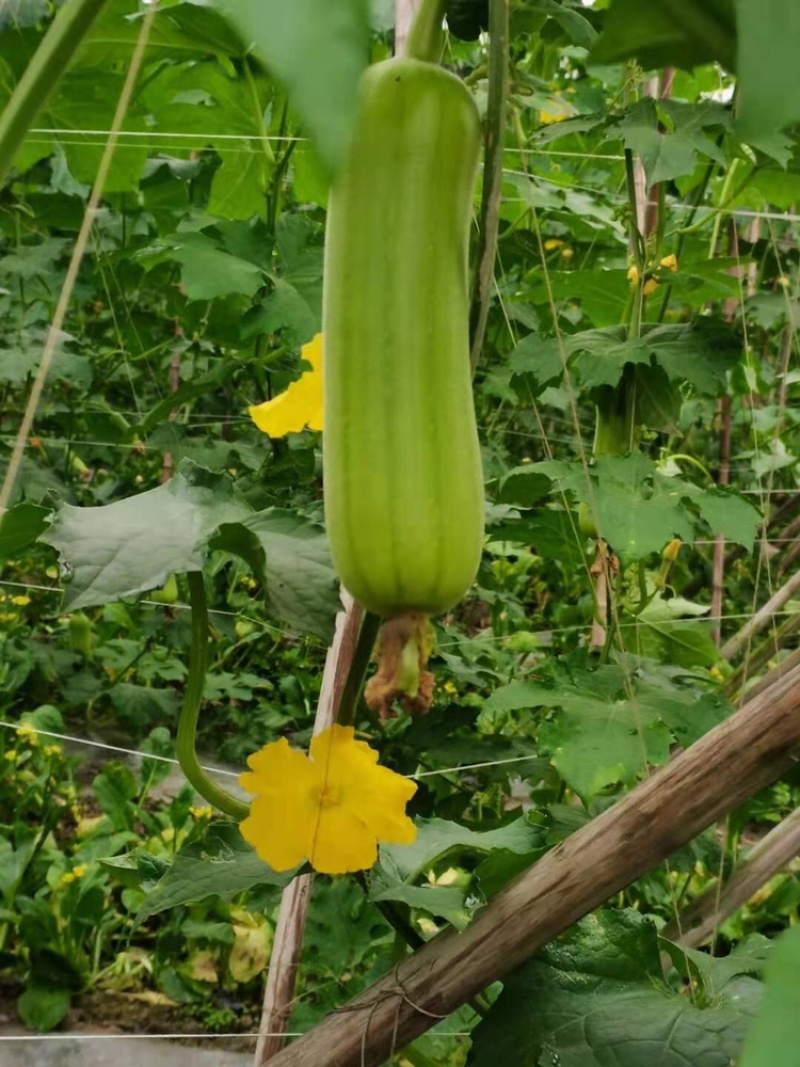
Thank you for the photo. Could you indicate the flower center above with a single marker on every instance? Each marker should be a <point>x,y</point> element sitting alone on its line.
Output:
<point>329,795</point>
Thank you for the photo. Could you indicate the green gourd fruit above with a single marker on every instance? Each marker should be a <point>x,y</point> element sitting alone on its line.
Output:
<point>404,501</point>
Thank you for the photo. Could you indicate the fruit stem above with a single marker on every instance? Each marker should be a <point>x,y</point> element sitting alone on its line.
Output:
<point>426,37</point>
<point>362,654</point>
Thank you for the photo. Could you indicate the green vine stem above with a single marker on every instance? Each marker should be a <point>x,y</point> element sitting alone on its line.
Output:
<point>489,226</point>
<point>425,40</point>
<point>190,710</point>
<point>354,683</point>
<point>41,75</point>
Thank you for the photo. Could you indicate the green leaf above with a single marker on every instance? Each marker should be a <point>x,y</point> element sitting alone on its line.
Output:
<point>318,49</point>
<point>207,271</point>
<point>768,34</point>
<point>43,1009</point>
<point>221,864</point>
<point>283,310</point>
<point>536,363</point>
<point>669,33</point>
<point>291,557</point>
<point>726,512</point>
<point>523,694</point>
<point>437,838</point>
<point>669,154</point>
<point>132,545</point>
<point>775,1035</point>
<point>141,705</point>
<point>20,526</point>
<point>598,996</point>
<point>451,903</point>
<point>596,743</point>
<point>577,28</point>
<point>553,534</point>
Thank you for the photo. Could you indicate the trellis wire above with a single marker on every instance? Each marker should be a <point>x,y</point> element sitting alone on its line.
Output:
<point>173,1037</point>
<point>235,774</point>
<point>545,632</point>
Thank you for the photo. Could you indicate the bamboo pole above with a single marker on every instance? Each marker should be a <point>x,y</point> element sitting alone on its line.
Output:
<point>296,897</point>
<point>745,753</point>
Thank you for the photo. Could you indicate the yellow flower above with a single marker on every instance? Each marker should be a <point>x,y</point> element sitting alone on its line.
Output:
<point>11,755</point>
<point>52,750</point>
<point>567,253</point>
<point>201,813</point>
<point>649,286</point>
<point>670,262</point>
<point>300,405</point>
<point>561,110</point>
<point>28,733</point>
<point>552,243</point>
<point>21,601</point>
<point>633,275</point>
<point>72,876</point>
<point>331,807</point>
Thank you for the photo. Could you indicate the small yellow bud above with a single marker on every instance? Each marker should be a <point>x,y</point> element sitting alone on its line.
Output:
<point>670,553</point>
<point>552,243</point>
<point>670,262</point>
<point>633,275</point>
<point>11,755</point>
<point>567,253</point>
<point>649,286</point>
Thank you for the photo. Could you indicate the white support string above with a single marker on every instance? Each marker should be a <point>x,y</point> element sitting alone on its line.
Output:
<point>174,1037</point>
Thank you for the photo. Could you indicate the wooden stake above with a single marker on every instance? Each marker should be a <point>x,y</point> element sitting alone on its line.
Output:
<point>296,897</point>
<point>747,752</point>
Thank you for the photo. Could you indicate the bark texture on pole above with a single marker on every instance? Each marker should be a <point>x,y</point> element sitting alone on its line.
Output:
<point>288,944</point>
<point>732,762</point>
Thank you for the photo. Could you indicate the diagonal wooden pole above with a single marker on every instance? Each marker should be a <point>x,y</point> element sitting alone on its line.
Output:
<point>288,944</point>
<point>747,752</point>
<point>716,903</point>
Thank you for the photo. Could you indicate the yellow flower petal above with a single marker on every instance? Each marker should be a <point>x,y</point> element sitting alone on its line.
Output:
<point>283,816</point>
<point>332,807</point>
<point>670,262</point>
<point>649,286</point>
<point>633,275</point>
<point>300,405</point>
<point>342,843</point>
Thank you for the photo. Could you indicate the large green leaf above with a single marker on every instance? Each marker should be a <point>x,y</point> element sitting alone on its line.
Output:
<point>638,508</point>
<point>699,353</point>
<point>400,866</point>
<point>669,33</point>
<point>133,545</point>
<point>610,727</point>
<point>598,997</point>
<point>769,31</point>
<point>20,526</point>
<point>292,558</point>
<point>221,864</point>
<point>774,1039</point>
<point>318,49</point>
<point>669,154</point>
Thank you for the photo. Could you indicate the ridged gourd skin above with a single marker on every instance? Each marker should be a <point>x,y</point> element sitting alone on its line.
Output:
<point>404,501</point>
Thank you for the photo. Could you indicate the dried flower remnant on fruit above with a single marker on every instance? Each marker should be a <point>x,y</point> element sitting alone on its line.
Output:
<point>404,645</point>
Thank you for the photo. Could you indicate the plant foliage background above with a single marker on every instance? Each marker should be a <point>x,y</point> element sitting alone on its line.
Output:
<point>202,281</point>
